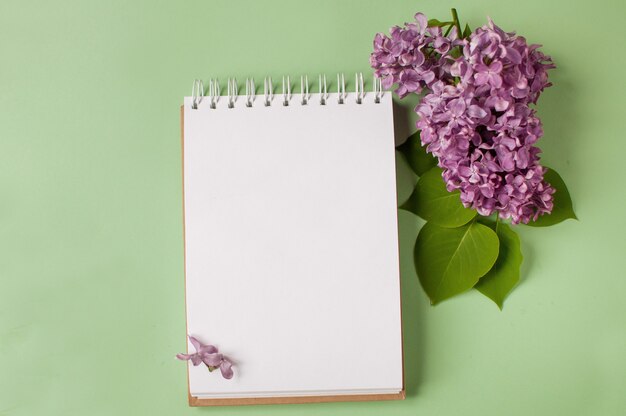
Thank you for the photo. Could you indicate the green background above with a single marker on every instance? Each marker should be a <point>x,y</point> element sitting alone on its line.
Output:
<point>91,255</point>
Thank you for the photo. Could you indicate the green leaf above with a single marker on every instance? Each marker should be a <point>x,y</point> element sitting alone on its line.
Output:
<point>450,261</point>
<point>505,273</point>
<point>432,201</point>
<point>466,32</point>
<point>562,202</point>
<point>437,23</point>
<point>456,52</point>
<point>416,155</point>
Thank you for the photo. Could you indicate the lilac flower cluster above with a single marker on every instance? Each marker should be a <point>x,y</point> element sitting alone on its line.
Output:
<point>476,117</point>
<point>414,57</point>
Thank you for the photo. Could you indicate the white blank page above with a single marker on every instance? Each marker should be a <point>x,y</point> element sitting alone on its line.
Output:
<point>291,246</point>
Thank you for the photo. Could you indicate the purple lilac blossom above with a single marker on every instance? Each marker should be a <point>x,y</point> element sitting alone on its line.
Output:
<point>475,116</point>
<point>413,57</point>
<point>208,355</point>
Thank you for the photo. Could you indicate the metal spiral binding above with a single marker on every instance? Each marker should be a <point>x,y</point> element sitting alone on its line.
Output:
<point>378,90</point>
<point>286,92</point>
<point>250,92</point>
<point>304,90</point>
<point>268,91</point>
<point>197,92</point>
<point>232,91</point>
<point>214,93</point>
<point>358,86</point>
<point>341,88</point>
<point>324,92</point>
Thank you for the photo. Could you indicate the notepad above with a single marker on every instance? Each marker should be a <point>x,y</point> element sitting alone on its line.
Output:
<point>291,247</point>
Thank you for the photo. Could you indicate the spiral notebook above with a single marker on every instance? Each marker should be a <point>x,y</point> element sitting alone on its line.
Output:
<point>291,243</point>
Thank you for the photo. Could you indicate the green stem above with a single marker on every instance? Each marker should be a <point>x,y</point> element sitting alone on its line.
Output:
<point>455,19</point>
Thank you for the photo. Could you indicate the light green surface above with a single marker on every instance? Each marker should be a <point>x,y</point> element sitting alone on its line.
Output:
<point>91,291</point>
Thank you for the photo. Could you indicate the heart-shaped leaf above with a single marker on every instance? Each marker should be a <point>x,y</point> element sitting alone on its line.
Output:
<point>450,261</point>
<point>505,273</point>
<point>562,209</point>
<point>416,155</point>
<point>432,201</point>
